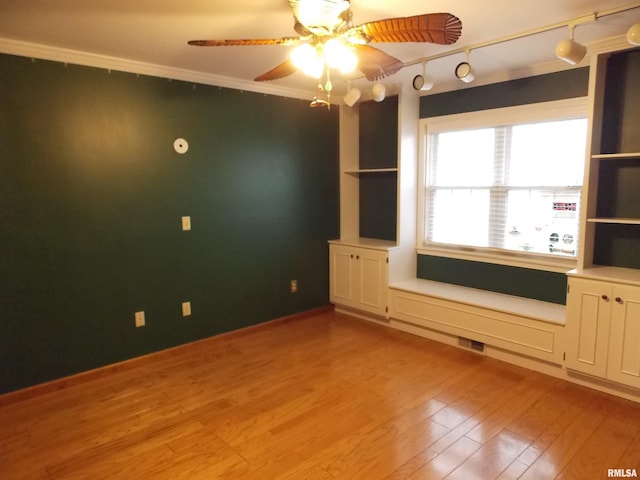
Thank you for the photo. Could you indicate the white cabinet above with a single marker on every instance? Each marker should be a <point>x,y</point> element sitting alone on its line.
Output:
<point>603,327</point>
<point>358,278</point>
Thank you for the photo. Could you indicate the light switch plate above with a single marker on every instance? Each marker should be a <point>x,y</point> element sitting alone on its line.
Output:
<point>186,309</point>
<point>186,223</point>
<point>139,319</point>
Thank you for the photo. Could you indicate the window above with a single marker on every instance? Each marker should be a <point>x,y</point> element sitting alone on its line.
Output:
<point>504,184</point>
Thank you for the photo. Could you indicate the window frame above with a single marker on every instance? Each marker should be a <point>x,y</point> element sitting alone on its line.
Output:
<point>521,114</point>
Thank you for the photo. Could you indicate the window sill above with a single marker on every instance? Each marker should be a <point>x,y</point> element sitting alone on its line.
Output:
<point>512,259</point>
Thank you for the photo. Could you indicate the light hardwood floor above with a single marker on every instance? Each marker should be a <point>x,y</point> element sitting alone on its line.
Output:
<point>325,397</point>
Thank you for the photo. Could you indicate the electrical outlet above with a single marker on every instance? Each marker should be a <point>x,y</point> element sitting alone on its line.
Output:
<point>186,223</point>
<point>186,309</point>
<point>294,286</point>
<point>139,319</point>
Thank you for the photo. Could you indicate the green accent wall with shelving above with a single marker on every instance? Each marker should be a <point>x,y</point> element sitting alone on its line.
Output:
<point>621,114</point>
<point>92,195</point>
<point>530,283</point>
<point>618,195</point>
<point>378,148</point>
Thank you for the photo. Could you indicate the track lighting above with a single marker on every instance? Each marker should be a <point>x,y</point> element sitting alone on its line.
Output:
<point>569,50</point>
<point>379,92</point>
<point>464,71</point>
<point>423,82</point>
<point>352,96</point>
<point>633,34</point>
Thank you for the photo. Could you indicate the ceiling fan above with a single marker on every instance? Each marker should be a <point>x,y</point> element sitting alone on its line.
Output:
<point>328,39</point>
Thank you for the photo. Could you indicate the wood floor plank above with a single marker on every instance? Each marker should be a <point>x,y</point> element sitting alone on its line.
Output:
<point>490,460</point>
<point>447,461</point>
<point>567,404</point>
<point>554,459</point>
<point>604,449</point>
<point>414,465</point>
<point>324,397</point>
<point>379,458</point>
<point>631,456</point>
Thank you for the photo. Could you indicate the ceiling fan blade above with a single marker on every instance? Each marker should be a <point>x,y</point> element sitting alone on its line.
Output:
<point>283,70</point>
<point>248,42</point>
<point>440,28</point>
<point>375,64</point>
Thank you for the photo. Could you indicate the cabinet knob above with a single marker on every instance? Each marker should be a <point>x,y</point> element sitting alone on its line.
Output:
<point>357,257</point>
<point>619,300</point>
<point>605,298</point>
<point>352,255</point>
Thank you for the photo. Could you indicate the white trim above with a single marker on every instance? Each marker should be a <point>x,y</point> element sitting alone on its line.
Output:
<point>64,55</point>
<point>560,109</point>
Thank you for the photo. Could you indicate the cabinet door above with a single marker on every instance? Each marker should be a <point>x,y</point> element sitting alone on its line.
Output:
<point>372,280</point>
<point>588,317</point>
<point>341,272</point>
<point>624,338</point>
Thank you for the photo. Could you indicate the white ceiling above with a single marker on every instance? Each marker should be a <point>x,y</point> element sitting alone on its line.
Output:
<point>141,32</point>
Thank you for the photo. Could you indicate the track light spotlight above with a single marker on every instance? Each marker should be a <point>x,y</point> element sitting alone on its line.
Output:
<point>423,82</point>
<point>569,50</point>
<point>379,92</point>
<point>464,71</point>
<point>352,96</point>
<point>633,34</point>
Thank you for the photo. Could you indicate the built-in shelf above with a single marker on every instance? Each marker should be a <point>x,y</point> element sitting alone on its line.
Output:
<point>363,242</point>
<point>622,221</point>
<point>615,156</point>
<point>630,276</point>
<point>370,170</point>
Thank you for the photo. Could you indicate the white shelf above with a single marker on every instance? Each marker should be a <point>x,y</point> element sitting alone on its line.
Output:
<point>615,156</point>
<point>373,243</point>
<point>628,276</point>
<point>370,170</point>
<point>621,221</point>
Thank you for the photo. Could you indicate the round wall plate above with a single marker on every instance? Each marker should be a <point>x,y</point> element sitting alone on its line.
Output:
<point>181,145</point>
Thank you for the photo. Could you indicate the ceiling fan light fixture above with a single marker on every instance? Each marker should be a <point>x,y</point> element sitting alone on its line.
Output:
<point>312,12</point>
<point>307,59</point>
<point>633,34</point>
<point>339,55</point>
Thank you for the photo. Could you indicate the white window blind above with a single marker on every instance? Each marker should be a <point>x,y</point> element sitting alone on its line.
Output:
<point>511,187</point>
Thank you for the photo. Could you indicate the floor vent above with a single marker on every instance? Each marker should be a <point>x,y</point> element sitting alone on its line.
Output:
<point>471,344</point>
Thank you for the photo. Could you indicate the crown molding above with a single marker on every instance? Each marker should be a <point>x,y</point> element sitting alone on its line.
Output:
<point>610,44</point>
<point>87,59</point>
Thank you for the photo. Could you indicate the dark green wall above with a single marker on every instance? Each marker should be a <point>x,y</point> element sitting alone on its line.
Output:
<point>92,194</point>
<point>546,286</point>
<point>621,115</point>
<point>521,282</point>
<point>378,148</point>
<point>542,88</point>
